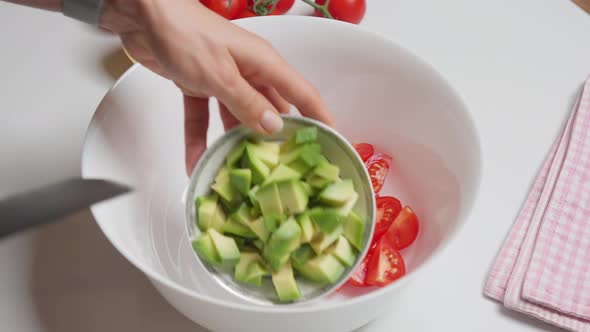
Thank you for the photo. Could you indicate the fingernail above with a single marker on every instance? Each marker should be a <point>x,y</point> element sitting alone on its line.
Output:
<point>271,122</point>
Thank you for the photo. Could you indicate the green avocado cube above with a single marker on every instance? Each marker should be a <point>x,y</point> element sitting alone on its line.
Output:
<point>347,207</point>
<point>306,135</point>
<point>327,171</point>
<point>354,229</point>
<point>256,271</point>
<point>204,247</point>
<point>327,220</point>
<point>235,154</point>
<point>337,193</point>
<point>241,179</point>
<point>226,248</point>
<point>324,240</point>
<point>257,226</point>
<point>222,175</point>
<point>285,284</point>
<point>281,243</point>
<point>259,244</point>
<point>293,197</point>
<point>226,192</point>
<point>241,215</point>
<point>206,208</point>
<point>269,200</point>
<point>273,221</point>
<point>235,228</point>
<point>343,251</point>
<point>307,229</point>
<point>260,170</point>
<point>282,173</point>
<point>250,269</point>
<point>300,256</point>
<point>317,182</point>
<point>267,152</point>
<point>324,268</point>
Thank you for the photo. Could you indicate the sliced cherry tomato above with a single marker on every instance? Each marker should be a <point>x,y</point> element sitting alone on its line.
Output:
<point>385,266</point>
<point>226,8</point>
<point>358,276</point>
<point>387,210</point>
<point>365,150</point>
<point>246,13</point>
<point>351,11</point>
<point>403,230</point>
<point>378,166</point>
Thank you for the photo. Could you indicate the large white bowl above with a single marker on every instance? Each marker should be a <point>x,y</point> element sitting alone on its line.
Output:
<point>377,91</point>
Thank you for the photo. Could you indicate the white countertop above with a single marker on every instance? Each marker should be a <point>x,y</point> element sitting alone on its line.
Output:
<point>518,64</point>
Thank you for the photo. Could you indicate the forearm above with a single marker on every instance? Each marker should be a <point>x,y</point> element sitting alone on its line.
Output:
<point>55,5</point>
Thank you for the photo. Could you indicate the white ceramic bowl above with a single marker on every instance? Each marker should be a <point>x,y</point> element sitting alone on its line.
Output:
<point>377,92</point>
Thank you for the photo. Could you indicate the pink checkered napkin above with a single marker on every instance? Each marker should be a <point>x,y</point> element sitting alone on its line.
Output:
<point>538,259</point>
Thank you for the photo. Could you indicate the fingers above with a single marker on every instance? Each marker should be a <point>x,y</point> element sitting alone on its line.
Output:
<point>196,123</point>
<point>276,99</point>
<point>298,91</point>
<point>249,106</point>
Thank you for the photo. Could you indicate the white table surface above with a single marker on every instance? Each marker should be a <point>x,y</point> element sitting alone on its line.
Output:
<point>518,64</point>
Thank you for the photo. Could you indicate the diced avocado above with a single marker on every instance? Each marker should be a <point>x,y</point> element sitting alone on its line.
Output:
<point>343,251</point>
<point>226,248</point>
<point>256,271</point>
<point>205,212</point>
<point>324,240</point>
<point>269,200</point>
<point>235,154</point>
<point>307,230</point>
<point>308,189</point>
<point>260,170</point>
<point>327,220</point>
<point>257,226</point>
<point>300,256</point>
<point>337,193</point>
<point>347,207</point>
<point>282,173</point>
<point>240,242</point>
<point>267,152</point>
<point>324,268</point>
<point>306,135</point>
<point>239,229</point>
<point>318,182</point>
<point>285,284</point>
<point>249,269</point>
<point>354,228</point>
<point>327,171</point>
<point>222,175</point>
<point>219,218</point>
<point>255,211</point>
<point>258,244</point>
<point>281,243</point>
<point>308,152</point>
<point>241,215</point>
<point>226,192</point>
<point>252,195</point>
<point>204,247</point>
<point>293,197</point>
<point>241,179</point>
<point>272,222</point>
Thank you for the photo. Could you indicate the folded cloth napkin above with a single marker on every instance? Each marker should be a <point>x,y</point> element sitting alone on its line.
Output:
<point>543,267</point>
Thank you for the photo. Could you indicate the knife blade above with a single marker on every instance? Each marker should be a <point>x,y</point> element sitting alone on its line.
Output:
<point>49,203</point>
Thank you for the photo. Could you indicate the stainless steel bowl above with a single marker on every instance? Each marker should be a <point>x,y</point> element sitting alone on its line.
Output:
<point>336,148</point>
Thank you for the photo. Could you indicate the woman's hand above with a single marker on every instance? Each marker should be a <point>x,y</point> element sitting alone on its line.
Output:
<point>208,56</point>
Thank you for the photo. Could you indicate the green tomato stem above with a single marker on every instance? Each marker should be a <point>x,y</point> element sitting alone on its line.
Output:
<point>323,9</point>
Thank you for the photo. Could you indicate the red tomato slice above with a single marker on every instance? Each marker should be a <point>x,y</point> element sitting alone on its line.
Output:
<point>403,230</point>
<point>226,8</point>
<point>358,277</point>
<point>387,210</point>
<point>365,150</point>
<point>385,266</point>
<point>378,166</point>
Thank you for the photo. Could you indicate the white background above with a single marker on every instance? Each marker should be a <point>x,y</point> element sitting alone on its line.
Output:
<point>518,64</point>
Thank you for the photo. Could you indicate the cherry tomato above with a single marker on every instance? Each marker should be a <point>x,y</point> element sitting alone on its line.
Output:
<point>358,277</point>
<point>246,13</point>
<point>365,150</point>
<point>385,266</point>
<point>351,11</point>
<point>403,230</point>
<point>387,210</point>
<point>378,166</point>
<point>226,8</point>
<point>281,8</point>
